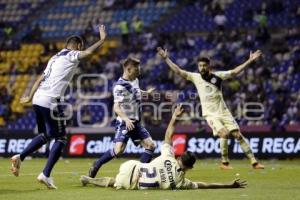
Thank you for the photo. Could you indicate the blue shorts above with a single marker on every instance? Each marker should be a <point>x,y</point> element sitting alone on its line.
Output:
<point>47,125</point>
<point>136,135</point>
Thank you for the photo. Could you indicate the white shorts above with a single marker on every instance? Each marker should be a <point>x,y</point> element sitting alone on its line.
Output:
<point>225,120</point>
<point>44,101</point>
<point>127,178</point>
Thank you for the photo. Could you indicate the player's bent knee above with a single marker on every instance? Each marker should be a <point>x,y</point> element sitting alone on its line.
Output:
<point>149,145</point>
<point>118,150</point>
<point>237,135</point>
<point>223,133</point>
<point>45,138</point>
<point>152,146</point>
<point>62,139</point>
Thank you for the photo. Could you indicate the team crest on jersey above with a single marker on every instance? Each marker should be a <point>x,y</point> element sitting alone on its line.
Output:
<point>208,89</point>
<point>119,93</point>
<point>213,80</point>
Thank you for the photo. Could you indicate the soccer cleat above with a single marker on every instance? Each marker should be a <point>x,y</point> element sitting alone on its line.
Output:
<point>258,166</point>
<point>15,164</point>
<point>225,166</point>
<point>85,180</point>
<point>48,181</point>
<point>101,182</point>
<point>93,171</point>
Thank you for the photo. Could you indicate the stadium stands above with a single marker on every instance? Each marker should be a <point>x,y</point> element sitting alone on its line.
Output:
<point>275,81</point>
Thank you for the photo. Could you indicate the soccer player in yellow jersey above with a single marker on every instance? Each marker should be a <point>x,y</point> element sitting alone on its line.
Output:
<point>164,172</point>
<point>214,109</point>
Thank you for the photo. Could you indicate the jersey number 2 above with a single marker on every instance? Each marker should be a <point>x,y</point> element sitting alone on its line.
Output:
<point>148,175</point>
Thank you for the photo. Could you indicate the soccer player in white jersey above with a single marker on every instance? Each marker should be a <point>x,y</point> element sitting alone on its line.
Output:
<point>164,172</point>
<point>45,96</point>
<point>127,99</point>
<point>214,109</point>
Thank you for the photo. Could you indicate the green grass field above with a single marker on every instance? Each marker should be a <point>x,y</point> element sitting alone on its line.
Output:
<point>280,180</point>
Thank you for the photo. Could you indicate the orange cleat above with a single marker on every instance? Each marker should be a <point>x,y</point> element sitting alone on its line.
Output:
<point>15,164</point>
<point>225,166</point>
<point>258,166</point>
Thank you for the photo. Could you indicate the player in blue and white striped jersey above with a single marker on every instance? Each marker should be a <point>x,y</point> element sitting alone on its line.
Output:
<point>127,99</point>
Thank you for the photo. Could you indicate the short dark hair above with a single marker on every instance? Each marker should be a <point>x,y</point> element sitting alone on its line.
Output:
<point>188,159</point>
<point>75,39</point>
<point>131,61</point>
<point>204,59</point>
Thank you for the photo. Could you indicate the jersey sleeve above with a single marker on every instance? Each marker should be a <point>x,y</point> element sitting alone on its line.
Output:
<point>192,76</point>
<point>47,70</point>
<point>167,150</point>
<point>187,184</point>
<point>119,93</point>
<point>189,76</point>
<point>224,74</point>
<point>73,56</point>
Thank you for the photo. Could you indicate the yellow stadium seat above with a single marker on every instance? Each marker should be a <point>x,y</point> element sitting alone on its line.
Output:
<point>9,54</point>
<point>24,47</point>
<point>113,44</point>
<point>23,84</point>
<point>19,109</point>
<point>103,51</point>
<point>2,122</point>
<point>26,77</point>
<point>60,45</point>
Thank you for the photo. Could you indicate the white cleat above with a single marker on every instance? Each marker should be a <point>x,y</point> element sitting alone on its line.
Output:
<point>48,181</point>
<point>15,164</point>
<point>85,180</point>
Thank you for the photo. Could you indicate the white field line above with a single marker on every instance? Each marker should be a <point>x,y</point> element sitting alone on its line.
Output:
<point>54,173</point>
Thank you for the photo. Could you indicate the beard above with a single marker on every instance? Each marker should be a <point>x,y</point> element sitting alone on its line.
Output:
<point>204,72</point>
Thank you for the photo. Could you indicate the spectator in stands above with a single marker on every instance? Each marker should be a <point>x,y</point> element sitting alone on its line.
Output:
<point>5,100</point>
<point>123,25</point>
<point>35,35</point>
<point>262,34</point>
<point>248,15</point>
<point>89,30</point>
<point>220,20</point>
<point>50,48</point>
<point>137,25</point>
<point>274,6</point>
<point>86,117</point>
<point>262,19</point>
<point>8,30</point>
<point>108,4</point>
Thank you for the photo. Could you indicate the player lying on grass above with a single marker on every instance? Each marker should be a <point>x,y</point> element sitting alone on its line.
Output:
<point>46,94</point>
<point>164,172</point>
<point>214,109</point>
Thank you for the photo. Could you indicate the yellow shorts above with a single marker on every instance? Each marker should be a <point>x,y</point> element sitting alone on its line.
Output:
<point>225,120</point>
<point>127,177</point>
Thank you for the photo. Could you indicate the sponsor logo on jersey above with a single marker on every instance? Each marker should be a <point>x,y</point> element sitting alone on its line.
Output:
<point>168,166</point>
<point>213,80</point>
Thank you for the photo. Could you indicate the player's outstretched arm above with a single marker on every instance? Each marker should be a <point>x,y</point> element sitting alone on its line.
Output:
<point>28,99</point>
<point>237,183</point>
<point>253,56</point>
<point>120,113</point>
<point>175,68</point>
<point>170,129</point>
<point>89,51</point>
